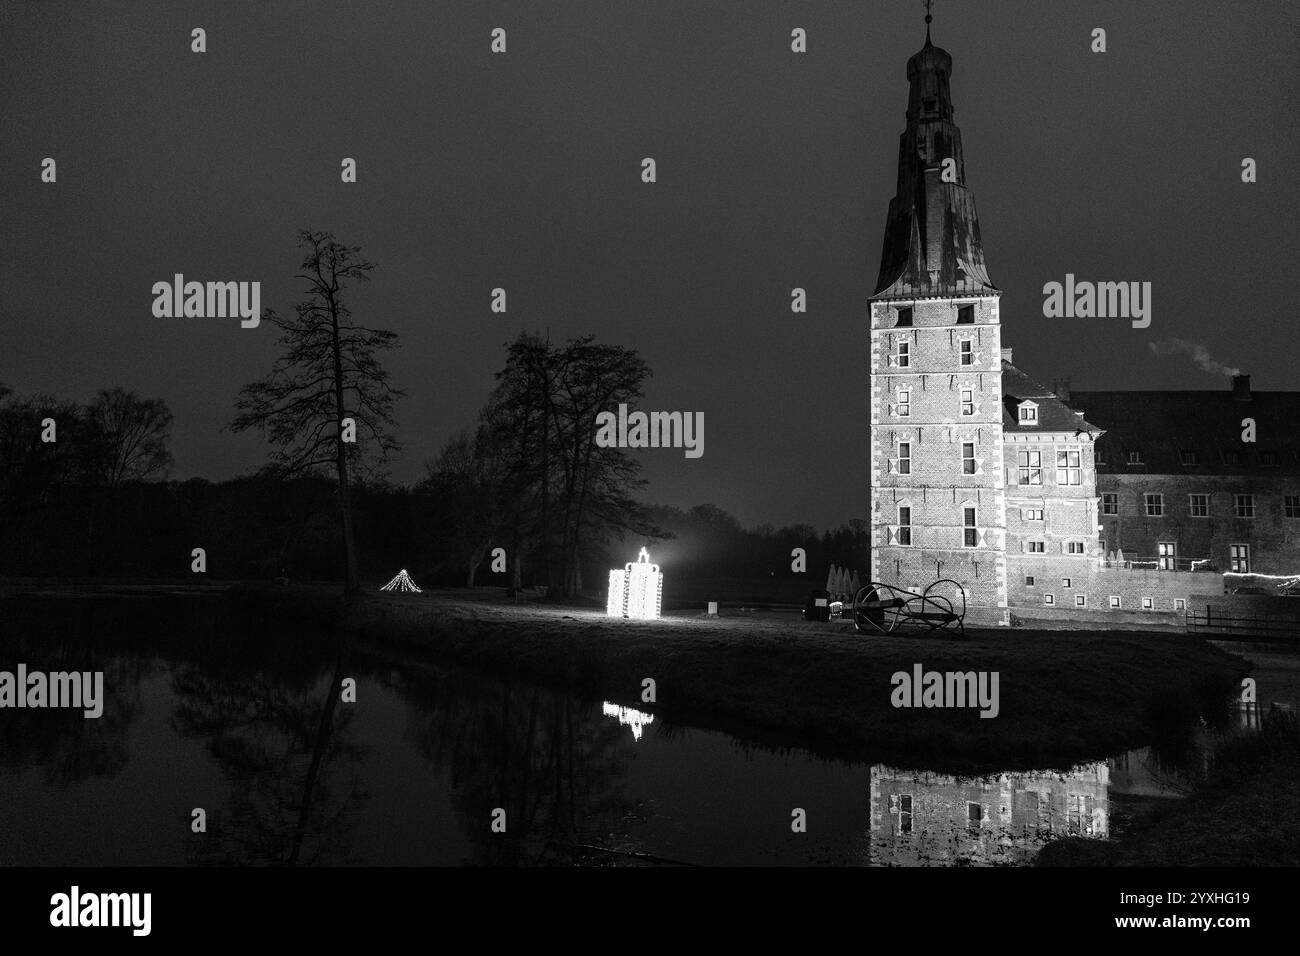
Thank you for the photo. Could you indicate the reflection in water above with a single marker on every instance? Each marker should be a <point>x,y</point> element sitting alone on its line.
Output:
<point>245,721</point>
<point>282,745</point>
<point>628,717</point>
<point>931,819</point>
<point>542,757</point>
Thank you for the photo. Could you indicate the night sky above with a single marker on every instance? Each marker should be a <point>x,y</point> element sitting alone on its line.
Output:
<point>523,171</point>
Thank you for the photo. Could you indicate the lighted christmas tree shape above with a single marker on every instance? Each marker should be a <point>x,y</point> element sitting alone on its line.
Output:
<point>401,582</point>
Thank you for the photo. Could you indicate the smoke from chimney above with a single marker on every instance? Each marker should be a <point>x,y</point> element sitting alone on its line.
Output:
<point>1198,353</point>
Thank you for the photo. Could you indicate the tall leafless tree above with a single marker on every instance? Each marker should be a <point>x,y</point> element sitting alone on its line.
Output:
<point>327,373</point>
<point>571,493</point>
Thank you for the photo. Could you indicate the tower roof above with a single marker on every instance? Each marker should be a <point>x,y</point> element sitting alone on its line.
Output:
<point>932,234</point>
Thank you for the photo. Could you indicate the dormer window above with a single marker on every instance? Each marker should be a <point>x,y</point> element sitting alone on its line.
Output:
<point>904,318</point>
<point>966,315</point>
<point>1135,458</point>
<point>1028,413</point>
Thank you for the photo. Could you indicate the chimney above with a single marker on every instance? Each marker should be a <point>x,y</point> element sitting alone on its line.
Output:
<point>1062,390</point>
<point>1006,356</point>
<point>1241,388</point>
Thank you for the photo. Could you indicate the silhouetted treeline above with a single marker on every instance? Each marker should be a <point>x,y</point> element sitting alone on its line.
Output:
<point>92,502</point>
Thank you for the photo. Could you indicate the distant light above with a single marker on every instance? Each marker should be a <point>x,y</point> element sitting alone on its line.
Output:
<point>636,591</point>
<point>401,582</point>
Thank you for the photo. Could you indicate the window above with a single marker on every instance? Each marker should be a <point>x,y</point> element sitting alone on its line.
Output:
<point>1110,503</point>
<point>1135,458</point>
<point>974,815</point>
<point>1180,604</point>
<point>904,318</point>
<point>970,536</point>
<point>904,408</point>
<point>1036,547</point>
<point>1239,558</point>
<point>904,354</point>
<point>1074,547</point>
<point>905,808</point>
<point>967,401</point>
<point>1030,468</point>
<point>1078,819</point>
<point>1167,556</point>
<point>1190,457</point>
<point>1029,580</point>
<point>904,457</point>
<point>1198,506</point>
<point>1068,471</point>
<point>967,349</point>
<point>1028,413</point>
<point>1031,514</point>
<point>1114,600</point>
<point>968,458</point>
<point>1232,458</point>
<point>1099,455</point>
<point>1291,504</point>
<point>1245,506</point>
<point>1148,604</point>
<point>1268,459</point>
<point>1065,583</point>
<point>1049,599</point>
<point>1155,506</point>
<point>904,525</point>
<point>966,315</point>
<point>1080,600</point>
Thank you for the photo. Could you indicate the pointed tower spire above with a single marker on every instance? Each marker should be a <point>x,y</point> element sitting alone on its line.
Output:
<point>932,235</point>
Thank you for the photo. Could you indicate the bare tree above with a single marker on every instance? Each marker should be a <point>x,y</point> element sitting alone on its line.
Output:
<point>133,433</point>
<point>328,373</point>
<point>542,417</point>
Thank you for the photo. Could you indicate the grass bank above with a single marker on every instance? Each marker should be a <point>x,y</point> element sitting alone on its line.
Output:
<point>1244,815</point>
<point>1064,697</point>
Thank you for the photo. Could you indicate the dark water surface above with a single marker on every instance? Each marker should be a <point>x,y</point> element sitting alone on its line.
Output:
<point>207,709</point>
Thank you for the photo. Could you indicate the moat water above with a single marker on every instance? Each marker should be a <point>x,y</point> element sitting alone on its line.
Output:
<point>206,712</point>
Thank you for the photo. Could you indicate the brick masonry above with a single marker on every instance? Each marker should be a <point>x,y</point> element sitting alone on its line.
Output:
<point>1273,538</point>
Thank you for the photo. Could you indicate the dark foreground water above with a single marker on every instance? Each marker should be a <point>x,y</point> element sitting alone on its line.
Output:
<point>204,710</point>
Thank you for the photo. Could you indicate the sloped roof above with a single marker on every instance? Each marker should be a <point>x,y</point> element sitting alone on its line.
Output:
<point>1162,425</point>
<point>932,236</point>
<point>1053,414</point>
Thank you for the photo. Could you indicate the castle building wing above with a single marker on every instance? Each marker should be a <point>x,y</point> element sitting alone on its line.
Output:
<point>1195,432</point>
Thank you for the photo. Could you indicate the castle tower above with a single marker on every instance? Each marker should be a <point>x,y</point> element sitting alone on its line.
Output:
<point>938,501</point>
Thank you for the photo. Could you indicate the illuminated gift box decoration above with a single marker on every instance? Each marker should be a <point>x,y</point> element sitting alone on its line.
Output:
<point>637,590</point>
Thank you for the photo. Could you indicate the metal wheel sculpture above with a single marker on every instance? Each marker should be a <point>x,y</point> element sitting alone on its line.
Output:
<point>884,608</point>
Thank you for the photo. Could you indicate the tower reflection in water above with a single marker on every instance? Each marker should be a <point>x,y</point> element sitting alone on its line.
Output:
<point>931,819</point>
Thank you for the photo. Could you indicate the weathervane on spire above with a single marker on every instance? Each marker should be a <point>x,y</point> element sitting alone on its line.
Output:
<point>928,5</point>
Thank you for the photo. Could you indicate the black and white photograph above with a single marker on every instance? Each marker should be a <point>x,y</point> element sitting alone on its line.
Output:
<point>443,440</point>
